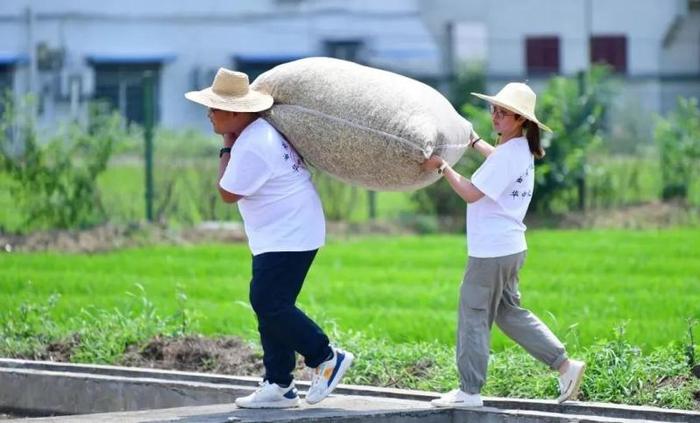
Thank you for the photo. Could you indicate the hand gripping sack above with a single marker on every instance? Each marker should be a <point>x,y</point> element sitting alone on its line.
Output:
<point>362,125</point>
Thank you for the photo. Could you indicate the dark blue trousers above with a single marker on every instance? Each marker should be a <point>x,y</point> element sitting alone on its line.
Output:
<point>284,329</point>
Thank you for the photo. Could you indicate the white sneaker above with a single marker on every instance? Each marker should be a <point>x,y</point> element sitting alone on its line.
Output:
<point>458,398</point>
<point>570,381</point>
<point>328,374</point>
<point>270,395</point>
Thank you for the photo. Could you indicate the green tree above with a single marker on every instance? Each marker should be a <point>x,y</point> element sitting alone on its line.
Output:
<point>678,139</point>
<point>575,110</point>
<point>54,182</point>
<point>470,77</point>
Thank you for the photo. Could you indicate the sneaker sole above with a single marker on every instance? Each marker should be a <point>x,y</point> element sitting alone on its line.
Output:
<point>275,404</point>
<point>344,366</point>
<point>439,404</point>
<point>577,385</point>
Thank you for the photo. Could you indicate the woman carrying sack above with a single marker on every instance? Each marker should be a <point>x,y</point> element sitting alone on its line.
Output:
<point>498,196</point>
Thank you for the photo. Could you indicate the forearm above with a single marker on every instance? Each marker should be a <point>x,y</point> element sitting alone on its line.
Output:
<point>227,197</point>
<point>483,147</point>
<point>462,186</point>
<point>223,162</point>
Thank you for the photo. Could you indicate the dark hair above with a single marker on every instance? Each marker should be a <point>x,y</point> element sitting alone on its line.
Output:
<point>532,133</point>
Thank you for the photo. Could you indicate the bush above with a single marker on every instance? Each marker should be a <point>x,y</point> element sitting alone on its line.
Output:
<point>678,139</point>
<point>575,110</point>
<point>53,183</point>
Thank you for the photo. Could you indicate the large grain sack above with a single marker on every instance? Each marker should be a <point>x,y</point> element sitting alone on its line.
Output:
<point>363,125</point>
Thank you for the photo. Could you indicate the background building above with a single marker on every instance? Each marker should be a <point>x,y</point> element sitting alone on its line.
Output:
<point>82,50</point>
<point>71,51</point>
<point>652,45</point>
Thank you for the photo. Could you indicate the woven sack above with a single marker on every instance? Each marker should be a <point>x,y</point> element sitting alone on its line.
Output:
<point>362,125</point>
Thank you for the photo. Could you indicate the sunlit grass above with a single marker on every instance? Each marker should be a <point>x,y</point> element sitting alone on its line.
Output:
<point>403,289</point>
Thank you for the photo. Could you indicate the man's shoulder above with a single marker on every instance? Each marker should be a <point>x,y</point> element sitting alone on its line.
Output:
<point>259,134</point>
<point>262,127</point>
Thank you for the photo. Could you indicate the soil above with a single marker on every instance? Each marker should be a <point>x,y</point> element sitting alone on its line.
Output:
<point>110,237</point>
<point>193,353</point>
<point>656,215</point>
<point>225,355</point>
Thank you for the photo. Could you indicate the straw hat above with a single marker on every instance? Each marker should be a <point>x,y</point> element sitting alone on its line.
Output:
<point>518,98</point>
<point>231,91</point>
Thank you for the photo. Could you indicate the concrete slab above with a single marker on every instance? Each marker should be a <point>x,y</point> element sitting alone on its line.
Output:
<point>334,408</point>
<point>46,388</point>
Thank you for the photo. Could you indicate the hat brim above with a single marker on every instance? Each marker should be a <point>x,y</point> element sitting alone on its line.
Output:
<point>494,100</point>
<point>253,101</point>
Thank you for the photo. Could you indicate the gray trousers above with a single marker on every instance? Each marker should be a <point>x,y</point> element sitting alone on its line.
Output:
<point>490,293</point>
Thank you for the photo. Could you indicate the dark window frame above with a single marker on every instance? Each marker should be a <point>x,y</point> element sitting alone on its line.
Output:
<point>350,49</point>
<point>254,66</point>
<point>121,86</point>
<point>543,54</point>
<point>610,49</point>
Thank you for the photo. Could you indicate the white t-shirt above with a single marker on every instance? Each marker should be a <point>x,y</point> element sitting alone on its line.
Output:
<point>280,207</point>
<point>495,222</point>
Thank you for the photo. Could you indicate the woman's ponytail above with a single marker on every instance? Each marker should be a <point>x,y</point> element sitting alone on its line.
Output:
<point>532,133</point>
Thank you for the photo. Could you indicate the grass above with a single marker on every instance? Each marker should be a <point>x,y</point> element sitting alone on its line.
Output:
<point>392,301</point>
<point>402,289</point>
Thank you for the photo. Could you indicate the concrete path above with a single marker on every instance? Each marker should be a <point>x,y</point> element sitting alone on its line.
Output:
<point>87,393</point>
<point>332,409</point>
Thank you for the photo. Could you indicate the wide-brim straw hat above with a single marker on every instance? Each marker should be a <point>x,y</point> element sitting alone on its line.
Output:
<point>231,91</point>
<point>518,98</point>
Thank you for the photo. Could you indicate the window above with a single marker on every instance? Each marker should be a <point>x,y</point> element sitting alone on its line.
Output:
<point>542,55</point>
<point>253,66</point>
<point>610,49</point>
<point>345,49</point>
<point>6,73</point>
<point>121,85</point>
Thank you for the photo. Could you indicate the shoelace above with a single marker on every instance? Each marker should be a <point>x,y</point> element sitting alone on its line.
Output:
<point>262,385</point>
<point>317,377</point>
<point>453,395</point>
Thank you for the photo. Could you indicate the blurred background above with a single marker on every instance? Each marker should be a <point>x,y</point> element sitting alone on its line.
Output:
<point>103,84</point>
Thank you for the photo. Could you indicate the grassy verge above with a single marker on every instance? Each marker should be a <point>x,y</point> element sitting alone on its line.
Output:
<point>617,371</point>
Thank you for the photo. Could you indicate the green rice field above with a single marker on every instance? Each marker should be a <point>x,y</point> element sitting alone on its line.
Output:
<point>583,284</point>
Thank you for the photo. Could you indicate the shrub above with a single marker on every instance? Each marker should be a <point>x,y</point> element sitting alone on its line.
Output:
<point>575,110</point>
<point>53,183</point>
<point>678,139</point>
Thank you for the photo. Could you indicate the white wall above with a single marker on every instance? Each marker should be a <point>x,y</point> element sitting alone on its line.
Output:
<point>656,72</point>
<point>206,34</point>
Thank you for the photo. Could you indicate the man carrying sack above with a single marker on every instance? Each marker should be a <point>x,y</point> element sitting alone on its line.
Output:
<point>283,218</point>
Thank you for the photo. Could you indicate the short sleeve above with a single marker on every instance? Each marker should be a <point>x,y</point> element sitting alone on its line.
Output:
<point>245,173</point>
<point>493,176</point>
